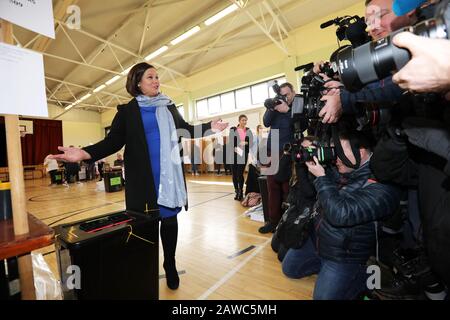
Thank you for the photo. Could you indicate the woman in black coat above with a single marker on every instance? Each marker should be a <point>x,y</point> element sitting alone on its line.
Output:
<point>240,139</point>
<point>147,127</point>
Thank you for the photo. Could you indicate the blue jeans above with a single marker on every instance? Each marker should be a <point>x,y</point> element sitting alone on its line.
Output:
<point>335,281</point>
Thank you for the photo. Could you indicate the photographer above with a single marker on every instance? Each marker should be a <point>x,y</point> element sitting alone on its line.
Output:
<point>279,119</point>
<point>344,236</point>
<point>381,22</point>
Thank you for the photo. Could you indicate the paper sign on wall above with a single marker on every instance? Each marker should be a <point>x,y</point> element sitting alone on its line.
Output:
<point>35,15</point>
<point>22,84</point>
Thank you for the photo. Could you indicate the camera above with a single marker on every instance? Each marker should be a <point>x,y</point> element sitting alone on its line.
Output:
<point>300,154</point>
<point>312,88</point>
<point>351,28</point>
<point>377,59</point>
<point>271,103</point>
<point>373,115</point>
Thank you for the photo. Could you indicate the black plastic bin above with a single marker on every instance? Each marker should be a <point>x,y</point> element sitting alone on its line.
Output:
<point>113,180</point>
<point>57,176</point>
<point>110,266</point>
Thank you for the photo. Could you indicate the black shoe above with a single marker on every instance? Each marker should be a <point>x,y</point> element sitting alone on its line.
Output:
<point>172,278</point>
<point>240,196</point>
<point>236,194</point>
<point>401,289</point>
<point>268,227</point>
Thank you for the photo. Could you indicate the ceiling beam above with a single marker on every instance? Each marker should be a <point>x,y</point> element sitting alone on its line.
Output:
<point>59,12</point>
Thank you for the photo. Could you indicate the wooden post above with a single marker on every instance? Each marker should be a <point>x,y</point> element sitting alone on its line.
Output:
<point>18,199</point>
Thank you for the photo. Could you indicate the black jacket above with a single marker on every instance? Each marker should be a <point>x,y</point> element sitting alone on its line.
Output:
<point>282,122</point>
<point>349,210</point>
<point>234,141</point>
<point>127,129</point>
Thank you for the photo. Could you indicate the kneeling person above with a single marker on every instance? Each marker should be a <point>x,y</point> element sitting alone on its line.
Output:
<point>349,205</point>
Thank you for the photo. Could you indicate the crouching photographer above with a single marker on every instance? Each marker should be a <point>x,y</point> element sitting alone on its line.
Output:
<point>349,205</point>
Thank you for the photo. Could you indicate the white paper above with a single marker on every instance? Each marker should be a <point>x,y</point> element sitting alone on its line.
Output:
<point>239,151</point>
<point>186,159</point>
<point>35,15</point>
<point>22,84</point>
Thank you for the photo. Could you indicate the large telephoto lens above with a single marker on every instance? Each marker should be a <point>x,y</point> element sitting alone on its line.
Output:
<point>378,59</point>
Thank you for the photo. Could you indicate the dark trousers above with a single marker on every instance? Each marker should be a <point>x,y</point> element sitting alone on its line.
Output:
<point>238,176</point>
<point>169,236</point>
<point>278,192</point>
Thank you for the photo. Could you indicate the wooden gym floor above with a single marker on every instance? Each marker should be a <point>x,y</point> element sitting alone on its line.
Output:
<point>211,235</point>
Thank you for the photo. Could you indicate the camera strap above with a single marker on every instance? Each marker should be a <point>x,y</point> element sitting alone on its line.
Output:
<point>340,151</point>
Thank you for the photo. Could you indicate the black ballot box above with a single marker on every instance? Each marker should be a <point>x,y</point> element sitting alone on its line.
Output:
<point>113,256</point>
<point>113,180</point>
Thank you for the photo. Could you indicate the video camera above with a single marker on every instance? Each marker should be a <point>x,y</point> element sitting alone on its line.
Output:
<point>377,59</point>
<point>351,28</point>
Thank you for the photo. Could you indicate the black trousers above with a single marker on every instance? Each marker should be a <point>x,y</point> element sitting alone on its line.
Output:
<point>238,176</point>
<point>169,237</point>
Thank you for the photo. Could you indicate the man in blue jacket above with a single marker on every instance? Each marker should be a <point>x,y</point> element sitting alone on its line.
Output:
<point>349,206</point>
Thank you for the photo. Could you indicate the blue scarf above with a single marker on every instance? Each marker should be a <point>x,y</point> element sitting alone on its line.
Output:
<point>172,192</point>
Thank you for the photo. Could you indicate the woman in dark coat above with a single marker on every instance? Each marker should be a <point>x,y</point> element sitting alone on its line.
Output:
<point>149,126</point>
<point>240,139</point>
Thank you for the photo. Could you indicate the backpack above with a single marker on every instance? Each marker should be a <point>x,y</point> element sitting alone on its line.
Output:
<point>294,226</point>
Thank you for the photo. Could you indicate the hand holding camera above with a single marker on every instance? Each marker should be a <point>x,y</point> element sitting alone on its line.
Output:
<point>429,68</point>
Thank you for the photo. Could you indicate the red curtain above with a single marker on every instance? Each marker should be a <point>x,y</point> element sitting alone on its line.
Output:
<point>47,136</point>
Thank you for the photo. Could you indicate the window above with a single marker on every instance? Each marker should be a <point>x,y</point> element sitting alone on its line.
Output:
<point>227,101</point>
<point>214,105</point>
<point>243,98</point>
<point>202,108</point>
<point>280,81</point>
<point>260,93</point>
<point>180,109</point>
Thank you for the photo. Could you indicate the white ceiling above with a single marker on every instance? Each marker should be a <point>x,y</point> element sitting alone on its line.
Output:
<point>117,33</point>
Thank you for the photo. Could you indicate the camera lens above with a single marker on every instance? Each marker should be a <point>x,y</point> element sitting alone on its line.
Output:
<point>370,62</point>
<point>377,59</point>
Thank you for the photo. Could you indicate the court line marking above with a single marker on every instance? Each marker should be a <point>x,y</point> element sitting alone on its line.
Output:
<point>231,273</point>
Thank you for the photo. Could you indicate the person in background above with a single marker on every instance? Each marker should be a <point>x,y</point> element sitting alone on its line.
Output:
<point>119,161</point>
<point>100,164</point>
<point>240,139</point>
<point>218,155</point>
<point>51,167</point>
<point>196,158</point>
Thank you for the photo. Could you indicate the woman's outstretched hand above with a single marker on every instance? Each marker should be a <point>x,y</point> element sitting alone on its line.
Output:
<point>218,125</point>
<point>71,154</point>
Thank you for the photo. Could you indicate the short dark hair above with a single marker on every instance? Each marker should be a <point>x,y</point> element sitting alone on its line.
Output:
<point>287,84</point>
<point>242,116</point>
<point>367,2</point>
<point>360,139</point>
<point>135,76</point>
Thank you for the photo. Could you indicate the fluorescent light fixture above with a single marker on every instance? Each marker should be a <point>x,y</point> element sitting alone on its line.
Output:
<point>156,53</point>
<point>99,88</point>
<point>125,72</point>
<point>68,107</point>
<point>221,14</point>
<point>85,97</point>
<point>112,80</point>
<point>185,35</point>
